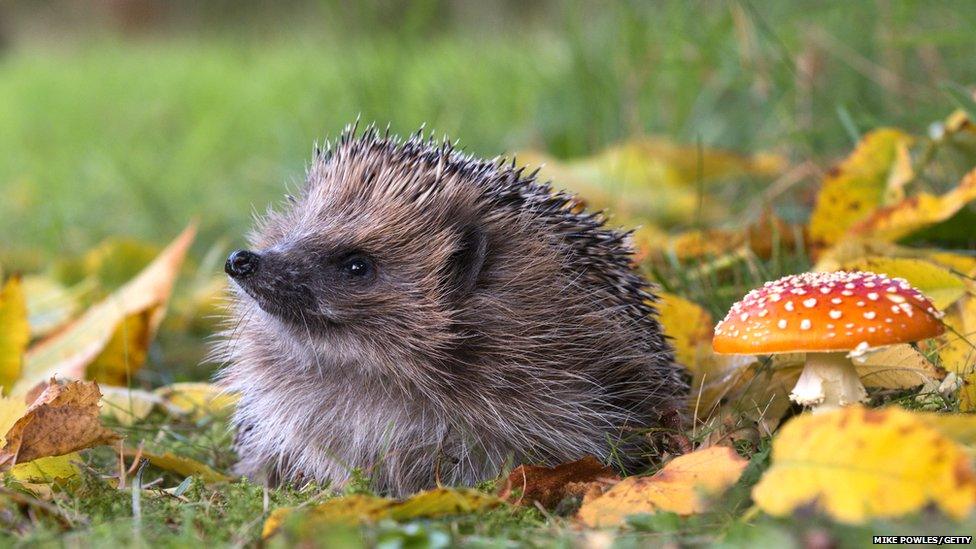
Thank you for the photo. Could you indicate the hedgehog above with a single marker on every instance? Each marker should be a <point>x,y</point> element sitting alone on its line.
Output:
<point>423,317</point>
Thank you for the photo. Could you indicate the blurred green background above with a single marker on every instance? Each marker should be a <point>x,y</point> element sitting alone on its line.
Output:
<point>132,117</point>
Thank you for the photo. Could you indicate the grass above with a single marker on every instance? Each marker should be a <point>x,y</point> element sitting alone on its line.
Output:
<point>108,135</point>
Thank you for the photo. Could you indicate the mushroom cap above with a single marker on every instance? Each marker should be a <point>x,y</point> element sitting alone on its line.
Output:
<point>827,312</point>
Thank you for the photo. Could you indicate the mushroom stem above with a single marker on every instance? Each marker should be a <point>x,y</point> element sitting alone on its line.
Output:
<point>828,381</point>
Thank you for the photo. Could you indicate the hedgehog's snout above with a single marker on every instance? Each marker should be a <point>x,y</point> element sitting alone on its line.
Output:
<point>242,264</point>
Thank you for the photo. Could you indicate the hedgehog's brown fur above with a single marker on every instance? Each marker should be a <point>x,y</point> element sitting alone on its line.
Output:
<point>498,324</point>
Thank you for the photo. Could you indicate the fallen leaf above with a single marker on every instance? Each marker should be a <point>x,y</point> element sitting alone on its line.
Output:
<point>442,502</point>
<point>957,348</point>
<point>47,469</point>
<point>128,406</point>
<point>361,508</point>
<point>916,212</point>
<point>855,464</point>
<point>855,188</point>
<point>756,392</point>
<point>676,488</point>
<point>352,509</point>
<point>959,427</point>
<point>651,179</point>
<point>63,419</point>
<point>688,325</point>
<point>198,399</point>
<point>14,333</point>
<point>895,367</point>
<point>853,249</point>
<point>933,280</point>
<point>109,265</point>
<point>530,484</point>
<point>761,238</point>
<point>181,465</point>
<point>11,410</point>
<point>125,352</point>
<point>69,352</point>
<point>50,305</point>
<point>720,378</point>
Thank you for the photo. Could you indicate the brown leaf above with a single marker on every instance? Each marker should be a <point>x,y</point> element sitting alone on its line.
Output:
<point>63,419</point>
<point>550,485</point>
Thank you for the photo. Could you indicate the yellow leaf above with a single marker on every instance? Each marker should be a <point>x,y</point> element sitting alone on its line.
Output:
<point>352,509</point>
<point>856,464</point>
<point>855,188</point>
<point>957,348</point>
<point>181,465</point>
<point>49,304</point>
<point>935,281</point>
<point>967,393</point>
<point>760,238</point>
<point>128,406</point>
<point>198,399</point>
<point>110,264</point>
<point>916,212</point>
<point>676,488</point>
<point>895,367</point>
<point>687,324</point>
<point>125,352</point>
<point>901,174</point>
<point>359,508</point>
<point>442,502</point>
<point>47,469</point>
<point>14,333</point>
<point>651,179</point>
<point>959,427</point>
<point>63,419</point>
<point>11,409</point>
<point>851,250</point>
<point>69,352</point>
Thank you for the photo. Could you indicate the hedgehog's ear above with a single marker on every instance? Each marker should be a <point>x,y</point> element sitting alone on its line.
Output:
<point>466,262</point>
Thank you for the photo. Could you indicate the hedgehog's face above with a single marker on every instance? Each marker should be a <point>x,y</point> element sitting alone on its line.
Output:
<point>310,288</point>
<point>380,278</point>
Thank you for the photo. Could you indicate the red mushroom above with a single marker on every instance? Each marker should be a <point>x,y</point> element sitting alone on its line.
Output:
<point>828,316</point>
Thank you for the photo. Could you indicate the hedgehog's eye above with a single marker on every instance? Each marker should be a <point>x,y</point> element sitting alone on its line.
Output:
<point>357,266</point>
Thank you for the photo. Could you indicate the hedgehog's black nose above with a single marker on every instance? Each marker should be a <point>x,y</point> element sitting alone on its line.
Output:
<point>242,263</point>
